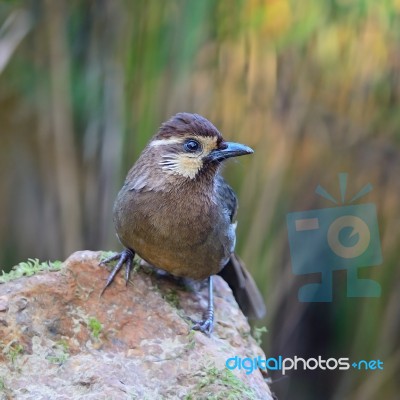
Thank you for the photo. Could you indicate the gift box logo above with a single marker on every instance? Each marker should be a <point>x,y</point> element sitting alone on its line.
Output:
<point>345,237</point>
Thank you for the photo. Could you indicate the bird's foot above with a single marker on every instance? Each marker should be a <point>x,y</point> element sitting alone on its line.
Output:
<point>125,257</point>
<point>206,326</point>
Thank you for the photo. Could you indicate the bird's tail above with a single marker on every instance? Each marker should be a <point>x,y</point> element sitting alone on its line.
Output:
<point>244,288</point>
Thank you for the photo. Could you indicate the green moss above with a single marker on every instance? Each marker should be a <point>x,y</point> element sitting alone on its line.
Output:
<point>191,341</point>
<point>257,333</point>
<point>220,384</point>
<point>14,351</point>
<point>58,359</point>
<point>106,254</point>
<point>245,334</point>
<point>95,327</point>
<point>63,344</point>
<point>2,384</point>
<point>29,268</point>
<point>172,298</point>
<point>60,353</point>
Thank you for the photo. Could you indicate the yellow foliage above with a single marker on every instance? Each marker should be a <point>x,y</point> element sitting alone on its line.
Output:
<point>269,17</point>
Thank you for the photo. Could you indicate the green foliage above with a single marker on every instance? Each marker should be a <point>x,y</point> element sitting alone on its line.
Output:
<point>95,327</point>
<point>13,351</point>
<point>191,340</point>
<point>58,359</point>
<point>106,254</point>
<point>257,333</point>
<point>60,353</point>
<point>220,384</point>
<point>29,268</point>
<point>172,298</point>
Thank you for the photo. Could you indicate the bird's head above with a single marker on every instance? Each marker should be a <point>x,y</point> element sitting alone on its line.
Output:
<point>188,144</point>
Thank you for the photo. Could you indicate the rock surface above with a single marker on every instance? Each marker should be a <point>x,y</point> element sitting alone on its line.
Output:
<point>60,340</point>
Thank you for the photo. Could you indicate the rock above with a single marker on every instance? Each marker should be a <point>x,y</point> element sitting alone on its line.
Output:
<point>60,340</point>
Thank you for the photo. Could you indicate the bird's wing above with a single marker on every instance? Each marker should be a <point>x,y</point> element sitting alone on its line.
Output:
<point>235,273</point>
<point>227,197</point>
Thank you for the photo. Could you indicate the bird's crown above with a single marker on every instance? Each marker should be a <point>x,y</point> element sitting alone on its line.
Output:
<point>184,124</point>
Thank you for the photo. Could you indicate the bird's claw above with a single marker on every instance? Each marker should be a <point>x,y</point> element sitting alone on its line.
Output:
<point>206,326</point>
<point>125,257</point>
<point>114,257</point>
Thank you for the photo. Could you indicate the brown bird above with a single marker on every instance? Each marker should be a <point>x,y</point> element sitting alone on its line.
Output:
<point>177,213</point>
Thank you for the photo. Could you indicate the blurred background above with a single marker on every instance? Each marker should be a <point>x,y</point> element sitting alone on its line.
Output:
<point>313,86</point>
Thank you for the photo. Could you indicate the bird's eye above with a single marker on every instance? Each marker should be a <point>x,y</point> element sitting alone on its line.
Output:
<point>191,146</point>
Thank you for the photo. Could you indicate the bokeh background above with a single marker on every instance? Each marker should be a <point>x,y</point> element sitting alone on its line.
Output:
<point>313,86</point>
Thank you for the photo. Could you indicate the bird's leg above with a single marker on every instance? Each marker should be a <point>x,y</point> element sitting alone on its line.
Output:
<point>125,257</point>
<point>206,326</point>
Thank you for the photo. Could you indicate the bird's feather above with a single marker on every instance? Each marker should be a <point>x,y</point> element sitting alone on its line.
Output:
<point>244,288</point>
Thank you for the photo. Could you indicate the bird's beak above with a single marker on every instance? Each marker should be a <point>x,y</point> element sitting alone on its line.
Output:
<point>227,150</point>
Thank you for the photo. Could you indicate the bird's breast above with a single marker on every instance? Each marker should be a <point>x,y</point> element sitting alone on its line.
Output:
<point>185,233</point>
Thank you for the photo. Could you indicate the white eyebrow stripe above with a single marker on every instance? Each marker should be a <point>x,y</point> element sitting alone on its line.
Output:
<point>161,142</point>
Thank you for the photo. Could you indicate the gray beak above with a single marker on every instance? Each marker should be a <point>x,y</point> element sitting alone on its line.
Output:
<point>228,150</point>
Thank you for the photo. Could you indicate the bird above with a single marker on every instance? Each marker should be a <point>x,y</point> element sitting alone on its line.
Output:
<point>176,212</point>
